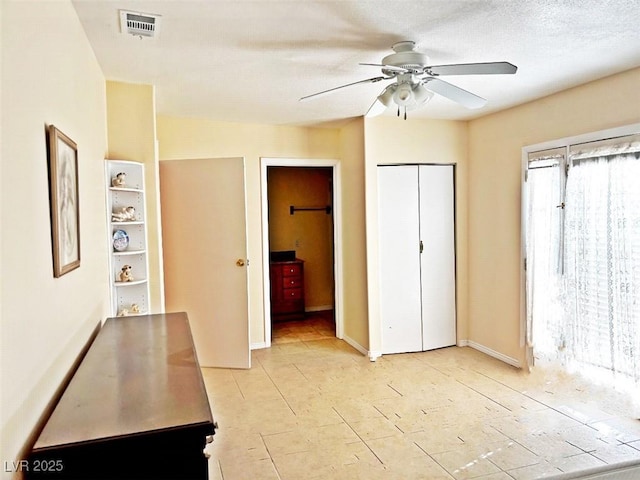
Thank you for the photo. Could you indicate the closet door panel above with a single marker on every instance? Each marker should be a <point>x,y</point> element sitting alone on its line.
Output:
<point>400,307</point>
<point>438,256</point>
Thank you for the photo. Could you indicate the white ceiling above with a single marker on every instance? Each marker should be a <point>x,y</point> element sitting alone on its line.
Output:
<point>250,61</point>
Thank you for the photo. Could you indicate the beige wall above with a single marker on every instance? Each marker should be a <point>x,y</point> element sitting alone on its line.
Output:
<point>391,140</point>
<point>495,154</point>
<point>309,233</point>
<point>354,303</point>
<point>49,76</point>
<point>131,123</point>
<point>191,138</point>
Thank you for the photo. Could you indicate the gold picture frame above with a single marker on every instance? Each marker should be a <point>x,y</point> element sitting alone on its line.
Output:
<point>64,202</point>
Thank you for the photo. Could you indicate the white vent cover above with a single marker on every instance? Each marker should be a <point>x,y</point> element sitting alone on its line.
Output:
<point>139,24</point>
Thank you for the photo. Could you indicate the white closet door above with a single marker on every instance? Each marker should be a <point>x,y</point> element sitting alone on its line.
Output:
<point>438,256</point>
<point>399,241</point>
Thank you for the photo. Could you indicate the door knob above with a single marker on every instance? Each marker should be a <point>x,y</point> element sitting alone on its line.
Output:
<point>240,262</point>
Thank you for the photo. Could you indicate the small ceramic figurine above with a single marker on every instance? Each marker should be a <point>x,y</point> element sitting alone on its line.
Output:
<point>123,313</point>
<point>135,308</point>
<point>119,180</point>
<point>126,214</point>
<point>125,274</point>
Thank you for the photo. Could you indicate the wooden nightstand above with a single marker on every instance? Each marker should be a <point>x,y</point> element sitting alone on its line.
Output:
<point>287,290</point>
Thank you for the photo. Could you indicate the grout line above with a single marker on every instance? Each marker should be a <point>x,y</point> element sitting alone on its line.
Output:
<point>399,393</point>
<point>281,394</point>
<point>357,435</point>
<point>266,447</point>
<point>235,380</point>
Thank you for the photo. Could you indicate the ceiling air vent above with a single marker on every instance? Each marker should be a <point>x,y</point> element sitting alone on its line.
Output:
<point>139,24</point>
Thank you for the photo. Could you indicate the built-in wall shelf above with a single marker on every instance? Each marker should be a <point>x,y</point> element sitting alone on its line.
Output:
<point>130,249</point>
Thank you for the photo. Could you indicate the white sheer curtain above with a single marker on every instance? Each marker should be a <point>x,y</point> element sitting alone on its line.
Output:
<point>543,252</point>
<point>601,280</point>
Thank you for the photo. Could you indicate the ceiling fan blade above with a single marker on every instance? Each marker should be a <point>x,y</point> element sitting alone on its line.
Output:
<point>490,68</point>
<point>324,92</point>
<point>456,94</point>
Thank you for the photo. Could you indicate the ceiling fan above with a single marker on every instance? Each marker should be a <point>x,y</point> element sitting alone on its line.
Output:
<point>416,81</point>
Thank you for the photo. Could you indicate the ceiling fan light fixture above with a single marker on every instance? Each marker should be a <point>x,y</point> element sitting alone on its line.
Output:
<point>404,95</point>
<point>421,94</point>
<point>382,102</point>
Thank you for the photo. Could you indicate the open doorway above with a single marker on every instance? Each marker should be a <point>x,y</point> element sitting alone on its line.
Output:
<point>301,247</point>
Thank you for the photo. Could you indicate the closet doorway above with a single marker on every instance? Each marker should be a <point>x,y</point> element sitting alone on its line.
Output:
<point>301,251</point>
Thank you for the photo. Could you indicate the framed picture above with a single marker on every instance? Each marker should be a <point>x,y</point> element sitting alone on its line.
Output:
<point>65,211</point>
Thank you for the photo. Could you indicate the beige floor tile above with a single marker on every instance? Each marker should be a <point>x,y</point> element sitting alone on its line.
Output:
<point>240,444</point>
<point>437,441</point>
<point>359,471</point>
<point>478,432</point>
<point>312,407</point>
<point>616,453</point>
<point>214,469</point>
<point>287,442</point>
<point>549,446</point>
<point>511,455</point>
<point>302,465</point>
<point>262,469</point>
<point>534,472</point>
<point>468,461</point>
<point>336,434</point>
<point>576,463</point>
<point>373,428</point>
<point>518,403</point>
<point>620,429</point>
<point>418,468</point>
<point>390,450</point>
<point>586,438</point>
<point>354,411</point>
<point>495,476</point>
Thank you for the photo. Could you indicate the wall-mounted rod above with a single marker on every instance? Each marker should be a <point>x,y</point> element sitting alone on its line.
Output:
<point>293,209</point>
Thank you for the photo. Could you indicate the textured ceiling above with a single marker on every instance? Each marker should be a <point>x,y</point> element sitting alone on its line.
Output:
<point>251,61</point>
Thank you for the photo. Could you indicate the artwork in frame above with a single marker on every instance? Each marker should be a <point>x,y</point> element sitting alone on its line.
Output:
<point>65,209</point>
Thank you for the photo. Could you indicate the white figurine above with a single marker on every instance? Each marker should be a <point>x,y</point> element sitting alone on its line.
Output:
<point>126,214</point>
<point>119,180</point>
<point>123,313</point>
<point>125,274</point>
<point>135,308</point>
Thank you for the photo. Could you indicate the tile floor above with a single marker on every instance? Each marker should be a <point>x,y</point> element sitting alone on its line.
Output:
<point>312,407</point>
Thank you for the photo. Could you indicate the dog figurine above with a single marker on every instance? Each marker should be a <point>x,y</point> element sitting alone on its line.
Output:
<point>125,274</point>
<point>126,214</point>
<point>119,180</point>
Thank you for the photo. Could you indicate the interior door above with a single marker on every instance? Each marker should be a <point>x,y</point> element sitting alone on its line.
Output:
<point>399,245</point>
<point>438,256</point>
<point>205,249</point>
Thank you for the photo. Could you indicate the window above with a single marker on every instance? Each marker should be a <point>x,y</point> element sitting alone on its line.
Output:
<point>582,253</point>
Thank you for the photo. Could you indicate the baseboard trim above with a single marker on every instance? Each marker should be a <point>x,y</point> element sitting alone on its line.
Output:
<point>319,308</point>
<point>492,353</point>
<point>355,344</point>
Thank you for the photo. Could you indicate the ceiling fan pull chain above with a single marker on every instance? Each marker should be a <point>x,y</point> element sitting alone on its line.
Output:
<point>405,112</point>
<point>398,110</point>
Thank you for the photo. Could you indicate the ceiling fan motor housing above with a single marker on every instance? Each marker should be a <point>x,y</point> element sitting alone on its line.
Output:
<point>406,57</point>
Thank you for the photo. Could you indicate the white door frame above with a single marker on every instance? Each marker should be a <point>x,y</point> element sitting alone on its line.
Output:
<point>266,162</point>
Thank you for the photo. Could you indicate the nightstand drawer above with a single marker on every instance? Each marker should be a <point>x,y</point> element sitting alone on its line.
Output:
<point>292,282</point>
<point>291,294</point>
<point>292,270</point>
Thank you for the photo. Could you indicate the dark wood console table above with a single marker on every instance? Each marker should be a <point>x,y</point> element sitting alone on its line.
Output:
<point>136,408</point>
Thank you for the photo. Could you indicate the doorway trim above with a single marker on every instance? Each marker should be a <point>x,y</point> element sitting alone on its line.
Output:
<point>266,162</point>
